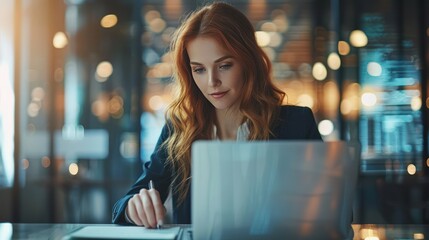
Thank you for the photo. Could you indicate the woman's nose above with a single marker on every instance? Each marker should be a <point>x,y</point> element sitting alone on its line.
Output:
<point>213,79</point>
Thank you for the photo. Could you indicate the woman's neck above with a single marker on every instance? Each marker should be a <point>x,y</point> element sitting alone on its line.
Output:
<point>228,123</point>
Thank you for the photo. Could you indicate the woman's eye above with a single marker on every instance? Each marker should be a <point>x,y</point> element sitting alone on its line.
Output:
<point>198,70</point>
<point>225,66</point>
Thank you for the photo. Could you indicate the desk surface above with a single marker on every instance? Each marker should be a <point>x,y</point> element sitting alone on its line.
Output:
<point>58,231</point>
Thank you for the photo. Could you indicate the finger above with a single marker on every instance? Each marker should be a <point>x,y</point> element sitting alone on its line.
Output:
<point>158,206</point>
<point>148,208</point>
<point>127,216</point>
<point>142,210</point>
<point>132,212</point>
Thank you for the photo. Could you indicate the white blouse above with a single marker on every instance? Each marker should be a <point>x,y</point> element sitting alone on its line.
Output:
<point>242,132</point>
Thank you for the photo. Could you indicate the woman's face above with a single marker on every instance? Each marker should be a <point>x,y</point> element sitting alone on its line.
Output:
<point>217,74</point>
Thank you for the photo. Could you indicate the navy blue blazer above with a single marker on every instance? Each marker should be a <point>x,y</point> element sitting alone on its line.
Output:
<point>294,123</point>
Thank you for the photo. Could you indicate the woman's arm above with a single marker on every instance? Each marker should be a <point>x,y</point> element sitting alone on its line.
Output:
<point>157,170</point>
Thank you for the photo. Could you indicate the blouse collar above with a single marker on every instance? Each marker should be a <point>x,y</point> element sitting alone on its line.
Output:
<point>242,132</point>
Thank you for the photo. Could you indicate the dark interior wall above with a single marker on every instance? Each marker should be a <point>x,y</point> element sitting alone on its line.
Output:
<point>5,204</point>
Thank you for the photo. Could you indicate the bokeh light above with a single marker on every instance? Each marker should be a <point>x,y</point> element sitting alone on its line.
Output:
<point>368,99</point>
<point>104,70</point>
<point>109,21</point>
<point>374,69</point>
<point>411,169</point>
<point>334,61</point>
<point>326,127</point>
<point>60,40</point>
<point>358,38</point>
<point>262,38</point>
<point>343,48</point>
<point>319,71</point>
<point>416,103</point>
<point>73,169</point>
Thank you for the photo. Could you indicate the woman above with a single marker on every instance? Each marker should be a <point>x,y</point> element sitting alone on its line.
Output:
<point>226,92</point>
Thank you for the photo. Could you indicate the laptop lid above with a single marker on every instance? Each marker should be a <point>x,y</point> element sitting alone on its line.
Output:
<point>272,190</point>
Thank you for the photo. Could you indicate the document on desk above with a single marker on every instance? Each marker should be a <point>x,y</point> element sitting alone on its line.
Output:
<point>124,232</point>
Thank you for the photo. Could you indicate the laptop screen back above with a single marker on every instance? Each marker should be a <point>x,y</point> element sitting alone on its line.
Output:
<point>272,190</point>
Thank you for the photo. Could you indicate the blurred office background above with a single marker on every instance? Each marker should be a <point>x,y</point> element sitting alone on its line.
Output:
<point>84,85</point>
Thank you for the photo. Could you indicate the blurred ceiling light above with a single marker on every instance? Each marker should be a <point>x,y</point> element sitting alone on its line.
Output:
<point>60,40</point>
<point>104,70</point>
<point>355,103</point>
<point>411,169</point>
<point>358,38</point>
<point>419,236</point>
<point>156,102</point>
<point>150,15</point>
<point>346,107</point>
<point>37,94</point>
<point>157,25</point>
<point>167,58</point>
<point>118,114</point>
<point>372,238</point>
<point>427,162</point>
<point>33,109</point>
<point>269,27</point>
<point>160,70</point>
<point>354,88</point>
<point>334,61</point>
<point>109,21</point>
<point>281,22</point>
<point>343,48</point>
<point>164,69</point>
<point>326,127</point>
<point>73,168</point>
<point>369,99</point>
<point>352,100</point>
<point>319,71</point>
<point>100,107</point>
<point>331,98</point>
<point>416,103</point>
<point>275,39</point>
<point>262,38</point>
<point>374,69</point>
<point>305,100</point>
<point>116,105</point>
<point>368,234</point>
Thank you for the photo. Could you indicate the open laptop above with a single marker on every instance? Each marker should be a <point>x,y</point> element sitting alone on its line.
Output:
<point>272,190</point>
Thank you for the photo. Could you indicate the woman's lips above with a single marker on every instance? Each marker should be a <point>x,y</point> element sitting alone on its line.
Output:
<point>218,95</point>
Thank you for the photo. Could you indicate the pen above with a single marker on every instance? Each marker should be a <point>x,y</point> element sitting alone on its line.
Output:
<point>152,187</point>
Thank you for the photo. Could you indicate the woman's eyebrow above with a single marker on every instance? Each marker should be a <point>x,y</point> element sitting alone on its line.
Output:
<point>216,61</point>
<point>222,58</point>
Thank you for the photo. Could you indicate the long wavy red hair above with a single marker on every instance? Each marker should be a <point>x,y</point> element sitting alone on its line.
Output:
<point>191,115</point>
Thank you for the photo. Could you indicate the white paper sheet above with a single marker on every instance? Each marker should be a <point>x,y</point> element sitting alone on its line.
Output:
<point>124,232</point>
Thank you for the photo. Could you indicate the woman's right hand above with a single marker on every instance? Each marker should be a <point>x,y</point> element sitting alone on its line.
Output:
<point>146,208</point>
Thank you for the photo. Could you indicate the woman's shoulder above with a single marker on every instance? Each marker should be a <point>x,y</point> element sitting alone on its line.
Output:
<point>293,110</point>
<point>296,122</point>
